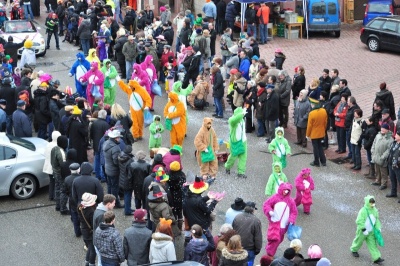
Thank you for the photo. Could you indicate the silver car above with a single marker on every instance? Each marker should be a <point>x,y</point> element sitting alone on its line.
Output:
<point>21,166</point>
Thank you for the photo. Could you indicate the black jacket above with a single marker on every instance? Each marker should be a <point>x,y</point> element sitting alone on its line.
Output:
<point>221,10</point>
<point>325,84</point>
<point>11,49</point>
<point>197,211</point>
<point>185,36</point>
<point>70,159</point>
<point>124,161</point>
<point>386,97</point>
<point>231,12</point>
<point>169,35</point>
<point>7,93</point>
<point>69,180</point>
<point>25,85</point>
<point>77,132</point>
<point>22,124</point>
<point>86,183</point>
<point>42,111</point>
<point>368,135</point>
<point>86,220</point>
<point>111,151</point>
<point>137,172</point>
<point>218,86</point>
<point>60,11</point>
<point>256,49</point>
<point>348,122</point>
<point>55,114</point>
<point>272,107</point>
<point>213,38</point>
<point>299,83</point>
<point>250,16</point>
<point>97,131</point>
<point>84,30</point>
<point>118,48</point>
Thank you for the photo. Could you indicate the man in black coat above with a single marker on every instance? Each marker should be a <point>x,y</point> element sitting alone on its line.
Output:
<point>192,65</point>
<point>97,131</point>
<point>7,92</point>
<point>77,132</point>
<point>69,180</point>
<point>21,122</point>
<point>125,158</point>
<point>130,20</point>
<point>325,81</point>
<point>86,183</point>
<point>168,33</point>
<point>11,49</point>
<point>186,31</point>
<point>137,172</point>
<point>221,23</point>
<point>271,112</point>
<point>213,38</point>
<point>54,109</point>
<point>121,40</point>
<point>42,112</point>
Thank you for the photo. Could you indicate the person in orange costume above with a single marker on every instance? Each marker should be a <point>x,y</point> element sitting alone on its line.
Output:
<point>175,110</point>
<point>139,100</point>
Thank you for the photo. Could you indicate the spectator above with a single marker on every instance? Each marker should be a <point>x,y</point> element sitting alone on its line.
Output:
<point>352,104</point>
<point>220,24</point>
<point>28,56</point>
<point>340,112</point>
<point>125,158</point>
<point>57,158</point>
<point>316,128</point>
<point>287,258</point>
<point>218,91</point>
<point>297,246</point>
<point>236,208</point>
<point>107,204</point>
<point>355,139</point>
<point>97,131</point>
<point>226,43</point>
<point>299,82</point>
<point>197,248</point>
<point>12,48</point>
<point>279,58</point>
<point>130,51</point>
<point>324,262</point>
<point>260,106</point>
<point>263,16</point>
<point>368,136</point>
<point>137,240</point>
<point>230,15</point>
<point>248,226</point>
<point>244,65</point>
<point>22,124</point>
<point>73,208</point>
<point>271,111</point>
<point>86,183</point>
<point>325,81</point>
<point>234,254</point>
<point>314,90</point>
<point>210,10</point>
<point>301,111</point>
<point>386,97</point>
<point>216,255</point>
<point>386,119</point>
<point>393,165</point>
<point>250,16</point>
<point>343,87</point>
<point>3,116</point>
<point>162,248</point>
<point>284,91</point>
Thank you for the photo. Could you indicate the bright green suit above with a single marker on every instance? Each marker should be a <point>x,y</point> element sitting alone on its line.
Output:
<point>275,179</point>
<point>363,222</point>
<point>156,130</point>
<point>237,131</point>
<point>110,83</point>
<point>280,145</point>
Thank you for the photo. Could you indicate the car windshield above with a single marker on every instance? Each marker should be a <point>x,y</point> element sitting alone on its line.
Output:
<point>318,8</point>
<point>19,27</point>
<point>378,8</point>
<point>22,142</point>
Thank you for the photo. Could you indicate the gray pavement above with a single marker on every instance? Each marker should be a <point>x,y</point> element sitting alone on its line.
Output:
<point>33,233</point>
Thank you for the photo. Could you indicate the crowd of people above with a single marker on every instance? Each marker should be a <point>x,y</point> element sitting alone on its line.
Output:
<point>168,201</point>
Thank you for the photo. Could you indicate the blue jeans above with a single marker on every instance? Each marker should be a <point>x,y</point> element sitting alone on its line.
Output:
<point>118,14</point>
<point>26,9</point>
<point>97,167</point>
<point>369,156</point>
<point>127,201</point>
<point>348,135</point>
<point>85,46</point>
<point>250,258</point>
<point>129,65</point>
<point>252,29</point>
<point>394,175</point>
<point>178,44</point>
<point>218,106</point>
<point>263,33</point>
<point>261,128</point>
<point>9,125</point>
<point>356,155</point>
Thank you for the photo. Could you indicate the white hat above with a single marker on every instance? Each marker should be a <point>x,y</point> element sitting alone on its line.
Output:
<point>114,134</point>
<point>233,49</point>
<point>88,199</point>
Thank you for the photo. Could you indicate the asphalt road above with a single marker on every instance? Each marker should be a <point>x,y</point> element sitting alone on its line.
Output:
<point>33,233</point>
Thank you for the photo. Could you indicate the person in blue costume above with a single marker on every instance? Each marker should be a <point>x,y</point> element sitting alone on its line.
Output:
<point>79,68</point>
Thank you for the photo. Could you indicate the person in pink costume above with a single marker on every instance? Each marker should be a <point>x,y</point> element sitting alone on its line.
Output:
<point>304,184</point>
<point>280,207</point>
<point>95,80</point>
<point>148,66</point>
<point>141,76</point>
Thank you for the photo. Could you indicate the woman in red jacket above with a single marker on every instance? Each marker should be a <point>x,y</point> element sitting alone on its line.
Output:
<point>340,116</point>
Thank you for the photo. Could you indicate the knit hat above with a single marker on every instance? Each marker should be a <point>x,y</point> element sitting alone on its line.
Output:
<point>161,176</point>
<point>385,111</point>
<point>278,50</point>
<point>162,8</point>
<point>28,44</point>
<point>177,148</point>
<point>62,142</point>
<point>140,155</point>
<point>385,126</point>
<point>270,86</point>
<point>88,199</point>
<point>324,262</point>
<point>76,110</point>
<point>175,166</point>
<point>199,186</point>
<point>313,100</point>
<point>139,214</point>
<point>21,103</point>
<point>255,57</point>
<point>289,253</point>
<point>198,31</point>
<point>128,149</point>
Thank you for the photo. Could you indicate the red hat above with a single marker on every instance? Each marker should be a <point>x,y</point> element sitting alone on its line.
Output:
<point>189,48</point>
<point>139,214</point>
<point>233,71</point>
<point>199,186</point>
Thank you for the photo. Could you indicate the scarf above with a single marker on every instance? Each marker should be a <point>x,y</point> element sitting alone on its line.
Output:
<point>260,91</point>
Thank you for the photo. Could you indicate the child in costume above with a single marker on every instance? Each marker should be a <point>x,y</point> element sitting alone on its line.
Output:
<point>238,142</point>
<point>110,83</point>
<point>95,80</point>
<point>367,221</point>
<point>148,67</point>
<point>101,49</point>
<point>280,210</point>
<point>275,179</point>
<point>279,147</point>
<point>155,128</point>
<point>304,184</point>
<point>142,77</point>
<point>92,56</point>
<point>79,68</point>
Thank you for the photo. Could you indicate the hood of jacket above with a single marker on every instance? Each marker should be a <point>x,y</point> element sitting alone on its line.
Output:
<point>26,82</point>
<point>279,129</point>
<point>284,186</point>
<point>156,116</point>
<point>148,60</point>
<point>173,97</point>
<point>39,92</point>
<point>54,136</point>
<point>101,207</point>
<point>106,230</point>
<point>95,65</point>
<point>161,240</point>
<point>123,157</point>
<point>105,61</point>
<point>275,167</point>
<point>72,155</point>
<point>81,56</point>
<point>206,120</point>
<point>86,168</point>
<point>366,203</point>
<point>199,245</point>
<point>235,256</point>
<point>382,94</point>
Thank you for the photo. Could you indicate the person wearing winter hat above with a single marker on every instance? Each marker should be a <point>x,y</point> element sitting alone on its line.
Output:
<point>324,262</point>
<point>58,156</point>
<point>21,122</point>
<point>379,149</point>
<point>287,258</point>
<point>297,245</point>
<point>28,55</point>
<point>176,180</point>
<point>86,209</point>
<point>137,240</point>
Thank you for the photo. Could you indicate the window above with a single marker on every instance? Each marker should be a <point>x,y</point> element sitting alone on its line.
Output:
<point>331,8</point>
<point>318,8</point>
<point>378,8</point>
<point>376,24</point>
<point>7,153</point>
<point>390,26</point>
<point>22,142</point>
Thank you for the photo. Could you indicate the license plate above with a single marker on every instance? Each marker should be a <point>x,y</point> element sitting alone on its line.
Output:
<point>318,20</point>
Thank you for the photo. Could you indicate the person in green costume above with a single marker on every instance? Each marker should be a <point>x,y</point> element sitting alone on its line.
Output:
<point>155,128</point>
<point>238,142</point>
<point>367,219</point>
<point>110,83</point>
<point>276,178</point>
<point>279,147</point>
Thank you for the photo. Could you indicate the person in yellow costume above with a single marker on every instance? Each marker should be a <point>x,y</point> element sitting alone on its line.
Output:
<point>139,100</point>
<point>92,56</point>
<point>175,110</point>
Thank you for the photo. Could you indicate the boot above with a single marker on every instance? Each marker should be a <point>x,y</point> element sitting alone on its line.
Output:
<point>180,224</point>
<point>371,172</point>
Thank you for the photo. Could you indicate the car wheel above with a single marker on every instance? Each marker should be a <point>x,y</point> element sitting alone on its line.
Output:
<point>373,44</point>
<point>337,34</point>
<point>23,187</point>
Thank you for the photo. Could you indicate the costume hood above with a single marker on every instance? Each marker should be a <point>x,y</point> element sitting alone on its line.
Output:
<point>86,168</point>
<point>155,116</point>
<point>80,56</point>
<point>278,129</point>
<point>105,61</point>
<point>133,84</point>
<point>238,110</point>
<point>161,240</point>
<point>366,201</point>
<point>137,68</point>
<point>173,97</point>
<point>177,86</point>
<point>276,164</point>
<point>283,187</point>
<point>207,120</point>
<point>95,65</point>
<point>148,60</point>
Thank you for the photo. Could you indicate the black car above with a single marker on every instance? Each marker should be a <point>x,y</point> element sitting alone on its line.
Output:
<point>382,33</point>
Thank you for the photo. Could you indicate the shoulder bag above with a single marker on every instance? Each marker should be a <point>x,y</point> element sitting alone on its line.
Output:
<point>168,121</point>
<point>209,155</point>
<point>274,229</point>
<point>237,147</point>
<point>377,232</point>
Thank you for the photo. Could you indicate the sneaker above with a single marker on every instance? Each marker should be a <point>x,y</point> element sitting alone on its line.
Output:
<point>242,176</point>
<point>227,171</point>
<point>355,254</point>
<point>375,184</point>
<point>314,164</point>
<point>65,212</point>
<point>379,261</point>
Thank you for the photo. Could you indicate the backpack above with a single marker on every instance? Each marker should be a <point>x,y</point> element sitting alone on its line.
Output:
<point>223,44</point>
